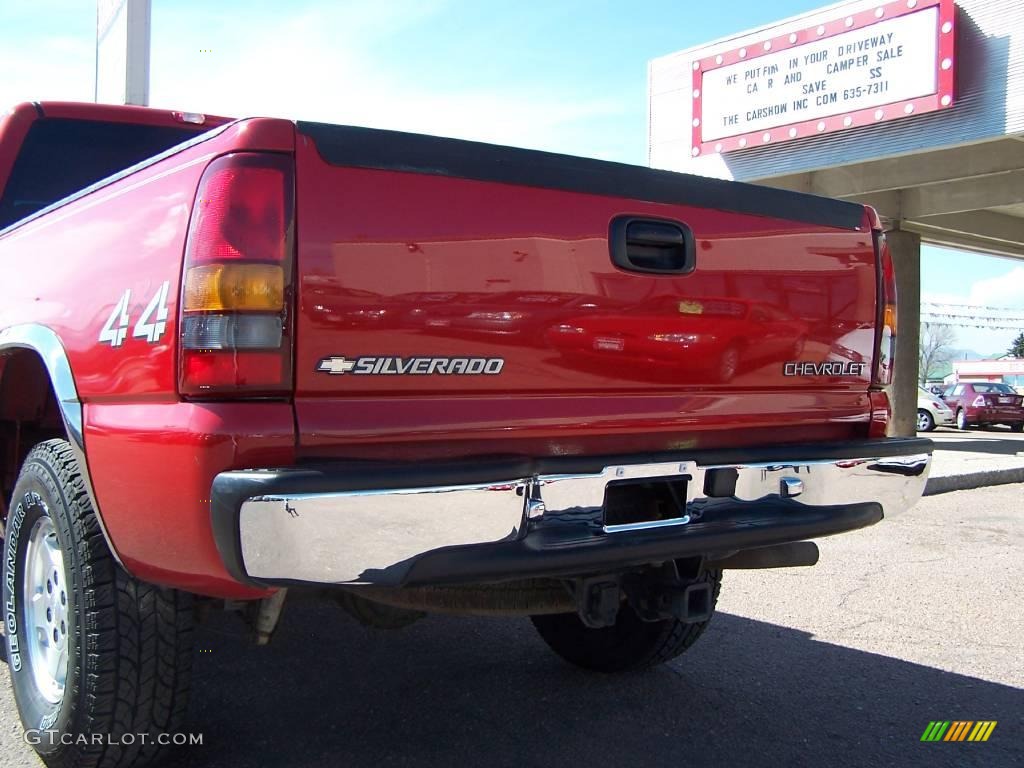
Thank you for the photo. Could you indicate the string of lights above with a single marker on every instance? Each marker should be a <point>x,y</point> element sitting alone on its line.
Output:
<point>925,303</point>
<point>972,315</point>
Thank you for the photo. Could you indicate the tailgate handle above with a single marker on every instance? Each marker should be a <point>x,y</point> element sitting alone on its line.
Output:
<point>653,246</point>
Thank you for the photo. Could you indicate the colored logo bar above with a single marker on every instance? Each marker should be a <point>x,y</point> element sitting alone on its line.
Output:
<point>959,730</point>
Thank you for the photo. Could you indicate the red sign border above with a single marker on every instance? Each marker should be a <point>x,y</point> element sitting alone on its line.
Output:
<point>943,98</point>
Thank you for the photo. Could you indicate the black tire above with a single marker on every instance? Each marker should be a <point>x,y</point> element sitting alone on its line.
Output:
<point>728,363</point>
<point>630,645</point>
<point>925,422</point>
<point>128,644</point>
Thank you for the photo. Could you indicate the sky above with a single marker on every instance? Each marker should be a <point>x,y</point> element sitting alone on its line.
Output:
<point>949,276</point>
<point>561,75</point>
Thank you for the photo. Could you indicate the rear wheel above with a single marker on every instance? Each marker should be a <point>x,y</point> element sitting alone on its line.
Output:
<point>97,658</point>
<point>630,644</point>
<point>961,419</point>
<point>925,422</point>
<point>728,363</point>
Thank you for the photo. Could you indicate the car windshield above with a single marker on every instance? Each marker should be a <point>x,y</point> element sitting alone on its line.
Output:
<point>993,388</point>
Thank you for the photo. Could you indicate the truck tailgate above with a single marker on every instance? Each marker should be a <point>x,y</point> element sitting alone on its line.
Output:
<point>456,298</point>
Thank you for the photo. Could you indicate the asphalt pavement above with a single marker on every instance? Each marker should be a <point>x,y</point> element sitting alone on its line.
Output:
<point>844,664</point>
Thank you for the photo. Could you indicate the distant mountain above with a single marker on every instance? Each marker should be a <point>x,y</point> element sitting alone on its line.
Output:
<point>970,354</point>
<point>964,354</point>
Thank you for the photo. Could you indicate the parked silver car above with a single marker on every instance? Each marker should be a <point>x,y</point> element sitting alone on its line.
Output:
<point>932,412</point>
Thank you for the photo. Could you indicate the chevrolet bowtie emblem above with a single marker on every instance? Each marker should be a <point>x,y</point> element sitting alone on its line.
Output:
<point>336,365</point>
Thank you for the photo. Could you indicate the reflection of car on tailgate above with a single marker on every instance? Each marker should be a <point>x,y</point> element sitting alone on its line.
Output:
<point>719,335</point>
<point>491,314</point>
<point>985,402</point>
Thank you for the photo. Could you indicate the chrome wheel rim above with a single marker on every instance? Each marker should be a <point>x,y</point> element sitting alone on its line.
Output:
<point>922,421</point>
<point>45,597</point>
<point>961,420</point>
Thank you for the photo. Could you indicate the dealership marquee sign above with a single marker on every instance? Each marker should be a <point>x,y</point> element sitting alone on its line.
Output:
<point>887,62</point>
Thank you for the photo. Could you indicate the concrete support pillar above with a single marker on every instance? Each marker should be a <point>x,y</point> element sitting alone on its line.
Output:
<point>906,255</point>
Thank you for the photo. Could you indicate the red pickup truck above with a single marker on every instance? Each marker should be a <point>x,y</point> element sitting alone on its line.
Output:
<point>414,374</point>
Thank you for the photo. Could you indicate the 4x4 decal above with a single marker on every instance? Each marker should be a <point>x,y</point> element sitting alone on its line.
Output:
<point>151,324</point>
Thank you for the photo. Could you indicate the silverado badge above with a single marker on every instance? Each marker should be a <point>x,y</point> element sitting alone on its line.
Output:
<point>412,366</point>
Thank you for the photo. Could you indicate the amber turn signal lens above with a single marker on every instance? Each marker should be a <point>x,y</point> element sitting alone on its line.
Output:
<point>234,287</point>
<point>889,316</point>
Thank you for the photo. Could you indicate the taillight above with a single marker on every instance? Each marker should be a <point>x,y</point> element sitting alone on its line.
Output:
<point>236,288</point>
<point>886,349</point>
<point>979,401</point>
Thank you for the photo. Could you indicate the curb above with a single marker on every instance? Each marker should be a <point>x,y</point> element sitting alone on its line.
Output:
<point>947,483</point>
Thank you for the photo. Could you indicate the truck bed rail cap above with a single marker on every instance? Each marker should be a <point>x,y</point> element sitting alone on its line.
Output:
<point>357,147</point>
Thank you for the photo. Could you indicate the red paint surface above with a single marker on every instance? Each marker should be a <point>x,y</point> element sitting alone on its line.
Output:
<point>410,265</point>
<point>152,466</point>
<point>402,264</point>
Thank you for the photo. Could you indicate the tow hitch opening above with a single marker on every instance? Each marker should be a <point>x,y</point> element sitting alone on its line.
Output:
<point>669,591</point>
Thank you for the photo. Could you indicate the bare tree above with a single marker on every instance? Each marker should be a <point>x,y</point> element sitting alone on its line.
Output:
<point>936,343</point>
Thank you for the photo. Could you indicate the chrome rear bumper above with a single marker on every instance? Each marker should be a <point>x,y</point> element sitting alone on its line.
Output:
<point>277,527</point>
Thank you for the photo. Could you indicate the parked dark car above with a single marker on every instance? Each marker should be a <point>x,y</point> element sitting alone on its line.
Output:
<point>985,402</point>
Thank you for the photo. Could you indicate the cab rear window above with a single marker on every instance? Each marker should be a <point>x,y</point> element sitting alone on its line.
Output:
<point>60,157</point>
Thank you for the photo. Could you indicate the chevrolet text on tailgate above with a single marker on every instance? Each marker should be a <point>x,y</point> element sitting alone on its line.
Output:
<point>245,358</point>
